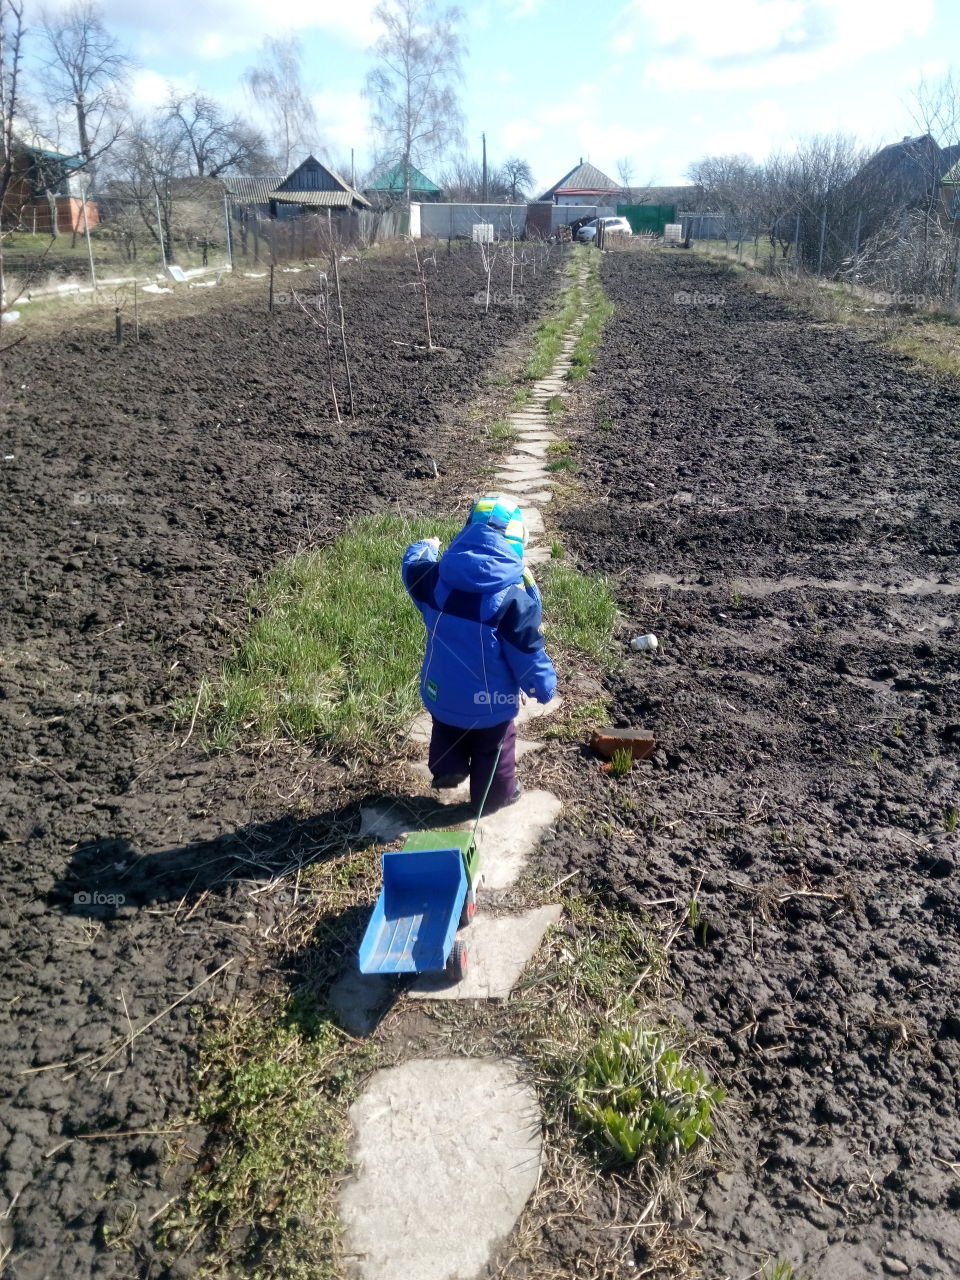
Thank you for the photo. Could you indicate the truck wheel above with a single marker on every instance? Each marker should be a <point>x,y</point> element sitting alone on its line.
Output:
<point>457,963</point>
<point>468,912</point>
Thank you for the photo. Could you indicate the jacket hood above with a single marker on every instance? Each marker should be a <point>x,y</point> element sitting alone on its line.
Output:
<point>480,559</point>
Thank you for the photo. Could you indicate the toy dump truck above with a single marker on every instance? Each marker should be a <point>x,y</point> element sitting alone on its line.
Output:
<point>429,892</point>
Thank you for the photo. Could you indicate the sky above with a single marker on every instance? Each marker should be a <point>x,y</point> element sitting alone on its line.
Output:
<point>658,82</point>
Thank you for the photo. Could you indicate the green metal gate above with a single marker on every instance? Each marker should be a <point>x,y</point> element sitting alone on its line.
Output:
<point>647,217</point>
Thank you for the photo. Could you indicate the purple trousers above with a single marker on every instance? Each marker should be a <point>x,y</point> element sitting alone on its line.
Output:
<point>474,752</point>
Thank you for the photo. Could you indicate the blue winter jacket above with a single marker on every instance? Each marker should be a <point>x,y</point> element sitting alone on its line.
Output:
<point>482,615</point>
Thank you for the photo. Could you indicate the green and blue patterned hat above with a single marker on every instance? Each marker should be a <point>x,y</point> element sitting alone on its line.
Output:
<point>501,514</point>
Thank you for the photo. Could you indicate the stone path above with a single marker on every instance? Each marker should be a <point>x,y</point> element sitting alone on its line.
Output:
<point>447,1152</point>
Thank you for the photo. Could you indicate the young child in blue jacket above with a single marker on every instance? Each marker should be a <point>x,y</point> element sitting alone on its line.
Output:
<point>484,654</point>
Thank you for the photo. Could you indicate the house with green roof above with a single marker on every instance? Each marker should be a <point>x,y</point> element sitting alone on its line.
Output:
<point>390,188</point>
<point>950,194</point>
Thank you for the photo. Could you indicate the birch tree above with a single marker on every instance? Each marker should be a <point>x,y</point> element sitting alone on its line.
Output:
<point>412,88</point>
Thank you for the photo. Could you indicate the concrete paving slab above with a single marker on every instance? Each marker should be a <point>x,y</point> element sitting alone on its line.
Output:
<point>498,950</point>
<point>537,555</point>
<point>535,710</point>
<point>447,1153</point>
<point>532,518</point>
<point>385,822</point>
<point>508,837</point>
<point>531,486</point>
<point>422,728</point>
<point>521,462</point>
<point>360,1000</point>
<point>535,448</point>
<point>524,499</point>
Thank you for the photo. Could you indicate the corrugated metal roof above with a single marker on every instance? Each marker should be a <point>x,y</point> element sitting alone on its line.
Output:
<point>952,176</point>
<point>585,177</point>
<point>252,190</point>
<point>324,199</point>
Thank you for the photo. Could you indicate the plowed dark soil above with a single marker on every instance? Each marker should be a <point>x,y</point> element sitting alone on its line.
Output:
<point>144,488</point>
<point>780,503</point>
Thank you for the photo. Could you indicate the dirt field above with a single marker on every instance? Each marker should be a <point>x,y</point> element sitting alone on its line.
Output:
<point>778,501</point>
<point>145,489</point>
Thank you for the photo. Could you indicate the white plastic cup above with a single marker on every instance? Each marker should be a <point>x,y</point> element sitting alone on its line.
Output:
<point>644,644</point>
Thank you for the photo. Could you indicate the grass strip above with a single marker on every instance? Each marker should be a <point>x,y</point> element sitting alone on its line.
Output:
<point>598,310</point>
<point>549,334</point>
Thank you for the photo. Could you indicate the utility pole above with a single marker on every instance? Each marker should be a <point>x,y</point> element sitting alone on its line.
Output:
<point>353,171</point>
<point>483,189</point>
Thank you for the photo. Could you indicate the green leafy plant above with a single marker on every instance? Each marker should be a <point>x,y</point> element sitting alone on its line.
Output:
<point>636,1094</point>
<point>502,431</point>
<point>621,762</point>
<point>951,819</point>
<point>782,1269</point>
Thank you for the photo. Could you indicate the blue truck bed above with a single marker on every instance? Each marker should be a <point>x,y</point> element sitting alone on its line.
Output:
<point>417,913</point>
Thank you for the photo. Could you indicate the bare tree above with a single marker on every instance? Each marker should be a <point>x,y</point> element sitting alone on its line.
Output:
<point>151,158</point>
<point>518,177</point>
<point>217,143</point>
<point>276,85</point>
<point>625,172</point>
<point>86,73</point>
<point>463,182</point>
<point>416,114</point>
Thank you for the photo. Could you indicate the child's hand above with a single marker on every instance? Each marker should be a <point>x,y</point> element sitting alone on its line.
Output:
<point>433,542</point>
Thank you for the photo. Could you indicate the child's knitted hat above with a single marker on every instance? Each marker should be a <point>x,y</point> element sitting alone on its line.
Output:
<point>501,514</point>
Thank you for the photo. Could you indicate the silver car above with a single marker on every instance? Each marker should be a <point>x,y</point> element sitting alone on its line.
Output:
<point>611,226</point>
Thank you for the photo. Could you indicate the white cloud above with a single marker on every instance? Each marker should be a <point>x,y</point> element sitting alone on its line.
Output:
<point>149,89</point>
<point>343,119</point>
<point>751,44</point>
<point>756,133</point>
<point>517,134</point>
<point>212,29</point>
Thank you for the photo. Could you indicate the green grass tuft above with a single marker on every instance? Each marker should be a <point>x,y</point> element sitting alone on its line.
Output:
<point>503,430</point>
<point>637,1095</point>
